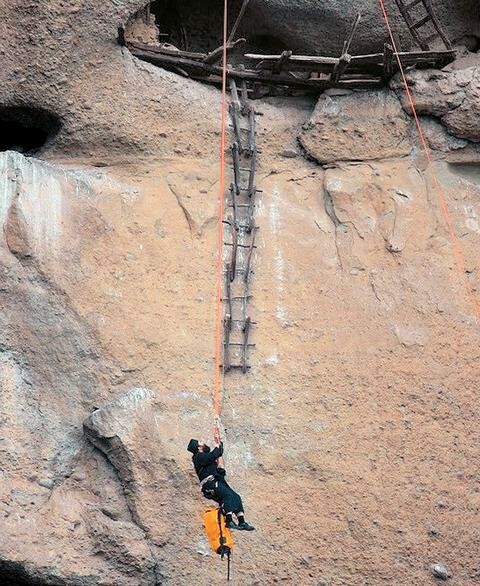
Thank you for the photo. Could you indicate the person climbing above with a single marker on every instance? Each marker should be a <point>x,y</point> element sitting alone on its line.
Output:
<point>213,483</point>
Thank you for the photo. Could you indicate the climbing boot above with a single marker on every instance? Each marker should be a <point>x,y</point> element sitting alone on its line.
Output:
<point>231,525</point>
<point>245,527</point>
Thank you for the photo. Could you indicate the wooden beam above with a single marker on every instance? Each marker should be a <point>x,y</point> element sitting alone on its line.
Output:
<point>135,45</point>
<point>326,64</point>
<point>217,54</point>
<point>238,21</point>
<point>348,42</point>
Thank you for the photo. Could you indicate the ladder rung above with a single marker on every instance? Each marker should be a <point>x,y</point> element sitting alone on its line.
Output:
<point>421,22</point>
<point>412,4</point>
<point>242,366</point>
<point>239,245</point>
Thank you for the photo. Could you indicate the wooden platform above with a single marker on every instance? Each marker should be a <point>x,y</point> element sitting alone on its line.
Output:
<point>307,72</point>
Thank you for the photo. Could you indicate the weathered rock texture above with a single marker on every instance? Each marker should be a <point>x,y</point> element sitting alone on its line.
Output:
<point>354,438</point>
<point>357,126</point>
<point>453,96</point>
<point>66,60</point>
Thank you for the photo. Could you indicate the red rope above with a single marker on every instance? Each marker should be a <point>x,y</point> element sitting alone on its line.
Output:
<point>442,198</point>
<point>217,396</point>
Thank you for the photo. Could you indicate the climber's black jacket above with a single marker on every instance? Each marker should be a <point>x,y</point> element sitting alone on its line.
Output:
<point>206,463</point>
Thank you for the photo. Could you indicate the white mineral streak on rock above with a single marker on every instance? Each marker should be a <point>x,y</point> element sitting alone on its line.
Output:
<point>43,195</point>
<point>9,380</point>
<point>279,263</point>
<point>120,411</point>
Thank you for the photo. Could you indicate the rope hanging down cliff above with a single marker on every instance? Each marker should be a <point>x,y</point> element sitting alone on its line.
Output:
<point>218,383</point>
<point>442,198</point>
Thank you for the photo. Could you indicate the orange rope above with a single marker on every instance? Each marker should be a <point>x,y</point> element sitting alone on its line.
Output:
<point>217,396</point>
<point>442,198</point>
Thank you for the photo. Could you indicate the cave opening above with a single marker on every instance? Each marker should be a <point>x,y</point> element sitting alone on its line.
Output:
<point>26,129</point>
<point>195,25</point>
<point>14,574</point>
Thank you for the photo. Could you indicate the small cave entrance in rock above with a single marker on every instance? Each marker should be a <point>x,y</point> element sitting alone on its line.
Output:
<point>14,574</point>
<point>194,25</point>
<point>191,25</point>
<point>26,130</point>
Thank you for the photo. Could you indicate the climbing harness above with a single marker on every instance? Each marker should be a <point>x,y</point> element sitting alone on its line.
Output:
<point>208,487</point>
<point>442,198</point>
<point>219,535</point>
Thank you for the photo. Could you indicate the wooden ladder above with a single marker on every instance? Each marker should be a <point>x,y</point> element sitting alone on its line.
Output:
<point>406,7</point>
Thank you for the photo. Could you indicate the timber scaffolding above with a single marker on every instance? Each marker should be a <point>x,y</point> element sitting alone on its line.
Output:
<point>309,73</point>
<point>304,72</point>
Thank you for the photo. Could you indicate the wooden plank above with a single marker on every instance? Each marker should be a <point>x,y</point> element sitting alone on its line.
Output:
<point>326,64</point>
<point>166,51</point>
<point>172,61</point>
<point>294,58</point>
<point>363,70</point>
<point>421,22</point>
<point>217,54</point>
<point>311,85</point>
<point>348,42</point>
<point>238,20</point>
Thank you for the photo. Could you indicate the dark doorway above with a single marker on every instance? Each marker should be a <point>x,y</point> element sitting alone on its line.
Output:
<point>26,130</point>
<point>189,25</point>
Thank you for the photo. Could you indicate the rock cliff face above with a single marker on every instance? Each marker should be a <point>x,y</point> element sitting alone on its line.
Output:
<point>354,438</point>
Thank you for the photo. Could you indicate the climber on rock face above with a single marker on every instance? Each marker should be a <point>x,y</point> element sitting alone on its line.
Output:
<point>213,483</point>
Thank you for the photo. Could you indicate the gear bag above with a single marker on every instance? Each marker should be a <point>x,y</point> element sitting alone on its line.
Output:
<point>218,534</point>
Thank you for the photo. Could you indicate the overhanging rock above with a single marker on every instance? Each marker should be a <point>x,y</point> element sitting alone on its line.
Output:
<point>125,430</point>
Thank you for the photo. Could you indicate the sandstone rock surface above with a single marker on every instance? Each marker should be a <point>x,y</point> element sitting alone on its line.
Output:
<point>354,437</point>
<point>309,25</point>
<point>453,96</point>
<point>360,327</point>
<point>357,126</point>
<point>71,65</point>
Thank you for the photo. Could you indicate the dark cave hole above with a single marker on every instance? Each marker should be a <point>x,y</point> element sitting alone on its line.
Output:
<point>14,574</point>
<point>26,130</point>
<point>189,25</point>
<point>196,25</point>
